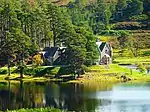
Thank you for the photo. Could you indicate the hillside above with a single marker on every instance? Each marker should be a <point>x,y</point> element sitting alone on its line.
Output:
<point>58,2</point>
<point>61,2</point>
<point>65,2</point>
<point>41,23</point>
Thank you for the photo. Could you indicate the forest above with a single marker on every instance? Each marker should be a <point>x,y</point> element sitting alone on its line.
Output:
<point>80,82</point>
<point>27,26</point>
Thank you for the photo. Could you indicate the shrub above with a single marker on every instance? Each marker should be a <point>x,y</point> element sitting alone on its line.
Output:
<point>146,53</point>
<point>3,71</point>
<point>12,70</point>
<point>141,17</point>
<point>128,26</point>
<point>65,71</point>
<point>141,67</point>
<point>37,60</point>
<point>85,68</point>
<point>29,71</point>
<point>36,110</point>
<point>33,71</point>
<point>41,71</point>
<point>115,32</point>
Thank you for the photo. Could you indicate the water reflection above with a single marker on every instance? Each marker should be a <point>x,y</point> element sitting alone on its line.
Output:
<point>31,95</point>
<point>98,97</point>
<point>148,71</point>
<point>126,98</point>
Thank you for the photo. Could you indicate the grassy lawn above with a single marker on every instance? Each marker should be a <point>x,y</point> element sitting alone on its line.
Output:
<point>111,73</point>
<point>31,74</point>
<point>114,69</point>
<point>105,38</point>
<point>132,60</point>
<point>14,77</point>
<point>127,57</point>
<point>36,110</point>
<point>132,74</point>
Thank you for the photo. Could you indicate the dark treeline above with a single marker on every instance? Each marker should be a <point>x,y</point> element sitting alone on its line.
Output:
<point>26,26</point>
<point>126,21</point>
<point>99,15</point>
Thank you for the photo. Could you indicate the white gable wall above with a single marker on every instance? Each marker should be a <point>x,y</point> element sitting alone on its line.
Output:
<point>107,52</point>
<point>103,53</point>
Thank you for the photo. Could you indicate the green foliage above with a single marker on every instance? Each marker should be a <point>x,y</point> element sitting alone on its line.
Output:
<point>36,110</point>
<point>76,51</point>
<point>65,71</point>
<point>100,14</point>
<point>128,8</point>
<point>37,60</point>
<point>3,71</point>
<point>135,44</point>
<point>98,27</point>
<point>91,51</point>
<point>118,33</point>
<point>26,27</point>
<point>146,53</point>
<point>29,71</point>
<point>141,67</point>
<point>139,17</point>
<point>85,68</point>
<point>146,4</point>
<point>122,4</point>
<point>33,71</point>
<point>41,71</point>
<point>38,25</point>
<point>14,40</point>
<point>128,26</point>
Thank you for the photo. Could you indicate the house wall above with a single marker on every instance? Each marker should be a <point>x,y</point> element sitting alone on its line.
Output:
<point>104,51</point>
<point>107,50</point>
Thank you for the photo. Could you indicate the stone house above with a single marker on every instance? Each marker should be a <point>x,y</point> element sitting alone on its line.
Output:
<point>105,52</point>
<point>52,55</point>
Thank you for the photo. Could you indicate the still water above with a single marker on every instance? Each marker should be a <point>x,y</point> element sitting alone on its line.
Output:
<point>97,97</point>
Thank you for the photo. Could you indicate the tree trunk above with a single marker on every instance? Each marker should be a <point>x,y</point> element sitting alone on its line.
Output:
<point>9,66</point>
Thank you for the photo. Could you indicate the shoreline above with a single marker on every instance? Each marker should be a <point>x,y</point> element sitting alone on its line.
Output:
<point>109,73</point>
<point>45,109</point>
<point>112,73</point>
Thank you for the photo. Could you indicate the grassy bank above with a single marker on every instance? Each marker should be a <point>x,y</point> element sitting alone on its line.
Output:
<point>132,60</point>
<point>40,73</point>
<point>36,110</point>
<point>111,73</point>
<point>126,57</point>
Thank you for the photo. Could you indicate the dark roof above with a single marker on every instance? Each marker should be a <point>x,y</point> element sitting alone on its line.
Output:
<point>101,47</point>
<point>50,51</point>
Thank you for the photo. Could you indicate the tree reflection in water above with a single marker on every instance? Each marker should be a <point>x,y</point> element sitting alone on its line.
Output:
<point>31,95</point>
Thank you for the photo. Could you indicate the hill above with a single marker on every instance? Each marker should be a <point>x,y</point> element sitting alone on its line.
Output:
<point>65,2</point>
